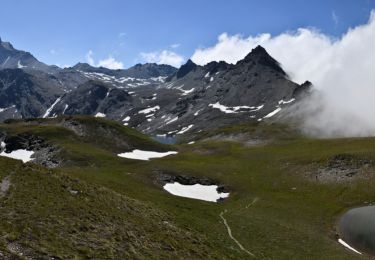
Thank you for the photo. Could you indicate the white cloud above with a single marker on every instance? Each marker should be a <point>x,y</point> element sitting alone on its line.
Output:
<point>341,68</point>
<point>109,63</point>
<point>89,58</point>
<point>163,57</point>
<point>229,48</point>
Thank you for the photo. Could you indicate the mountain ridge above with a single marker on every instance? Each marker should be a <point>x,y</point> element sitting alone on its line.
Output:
<point>160,98</point>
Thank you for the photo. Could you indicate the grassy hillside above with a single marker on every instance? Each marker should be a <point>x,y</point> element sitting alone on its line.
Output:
<point>286,193</point>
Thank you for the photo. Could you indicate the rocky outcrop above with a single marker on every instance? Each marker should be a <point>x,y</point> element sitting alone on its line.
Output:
<point>45,153</point>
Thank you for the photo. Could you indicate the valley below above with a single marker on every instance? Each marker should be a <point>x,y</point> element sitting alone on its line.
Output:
<point>95,204</point>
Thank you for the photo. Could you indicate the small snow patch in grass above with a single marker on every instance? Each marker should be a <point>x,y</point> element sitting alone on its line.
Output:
<point>144,155</point>
<point>196,191</point>
<point>20,154</point>
<point>23,155</point>
<point>99,114</point>
<point>342,242</point>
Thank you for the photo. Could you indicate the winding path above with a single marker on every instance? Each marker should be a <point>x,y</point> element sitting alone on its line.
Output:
<point>231,236</point>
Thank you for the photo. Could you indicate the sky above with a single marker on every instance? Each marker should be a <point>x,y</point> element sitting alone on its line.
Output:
<point>121,33</point>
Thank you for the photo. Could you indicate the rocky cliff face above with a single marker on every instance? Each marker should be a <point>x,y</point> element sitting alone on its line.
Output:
<point>24,95</point>
<point>11,58</point>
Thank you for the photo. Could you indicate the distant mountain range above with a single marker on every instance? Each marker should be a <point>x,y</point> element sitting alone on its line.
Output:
<point>156,99</point>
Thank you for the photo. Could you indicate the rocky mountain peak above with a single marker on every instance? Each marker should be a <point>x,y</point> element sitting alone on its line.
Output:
<point>81,66</point>
<point>186,68</point>
<point>260,55</point>
<point>150,70</point>
<point>215,66</point>
<point>6,45</point>
<point>303,89</point>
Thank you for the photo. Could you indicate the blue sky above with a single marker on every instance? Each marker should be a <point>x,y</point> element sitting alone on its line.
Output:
<point>64,31</point>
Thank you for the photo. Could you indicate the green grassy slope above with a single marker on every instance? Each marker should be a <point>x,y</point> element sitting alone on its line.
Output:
<point>277,208</point>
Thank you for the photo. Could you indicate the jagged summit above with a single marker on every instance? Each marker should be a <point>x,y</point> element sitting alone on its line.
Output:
<point>260,55</point>
<point>214,66</point>
<point>186,68</point>
<point>81,65</point>
<point>151,70</point>
<point>11,58</point>
<point>257,52</point>
<point>6,45</point>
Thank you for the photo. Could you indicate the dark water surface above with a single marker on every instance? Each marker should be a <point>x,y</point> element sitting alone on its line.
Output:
<point>357,228</point>
<point>165,139</point>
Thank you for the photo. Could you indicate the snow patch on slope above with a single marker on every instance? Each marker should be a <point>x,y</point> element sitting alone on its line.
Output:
<point>48,111</point>
<point>149,110</point>
<point>145,155</point>
<point>196,191</point>
<point>236,109</point>
<point>100,115</point>
<point>20,154</point>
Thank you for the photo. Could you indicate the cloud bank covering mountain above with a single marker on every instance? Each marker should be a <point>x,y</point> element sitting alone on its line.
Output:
<point>342,69</point>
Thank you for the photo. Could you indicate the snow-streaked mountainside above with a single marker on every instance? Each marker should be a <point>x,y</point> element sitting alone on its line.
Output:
<point>12,59</point>
<point>156,99</point>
